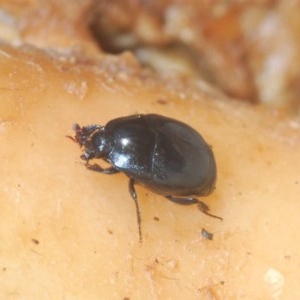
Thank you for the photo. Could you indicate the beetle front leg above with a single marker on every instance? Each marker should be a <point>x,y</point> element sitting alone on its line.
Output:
<point>188,201</point>
<point>138,213</point>
<point>97,168</point>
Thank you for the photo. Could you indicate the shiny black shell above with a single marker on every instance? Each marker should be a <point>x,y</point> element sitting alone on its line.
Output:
<point>160,153</point>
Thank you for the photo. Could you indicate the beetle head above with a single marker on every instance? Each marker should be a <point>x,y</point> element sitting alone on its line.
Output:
<point>82,134</point>
<point>93,139</point>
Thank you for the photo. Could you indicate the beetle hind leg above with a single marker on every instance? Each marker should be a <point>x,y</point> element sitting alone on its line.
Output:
<point>190,200</point>
<point>138,213</point>
<point>204,208</point>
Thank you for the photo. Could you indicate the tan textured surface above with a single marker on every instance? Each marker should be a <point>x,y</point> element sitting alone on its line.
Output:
<point>67,233</point>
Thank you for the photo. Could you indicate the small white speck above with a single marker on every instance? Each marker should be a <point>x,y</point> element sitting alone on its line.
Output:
<point>275,280</point>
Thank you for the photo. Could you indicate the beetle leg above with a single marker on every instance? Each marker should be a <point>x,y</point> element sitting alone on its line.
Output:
<point>97,168</point>
<point>204,208</point>
<point>181,200</point>
<point>187,201</point>
<point>138,213</point>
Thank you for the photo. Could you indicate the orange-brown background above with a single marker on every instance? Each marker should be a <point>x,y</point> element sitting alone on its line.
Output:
<point>67,233</point>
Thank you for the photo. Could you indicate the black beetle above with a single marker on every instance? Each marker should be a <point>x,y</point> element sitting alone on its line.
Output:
<point>160,153</point>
